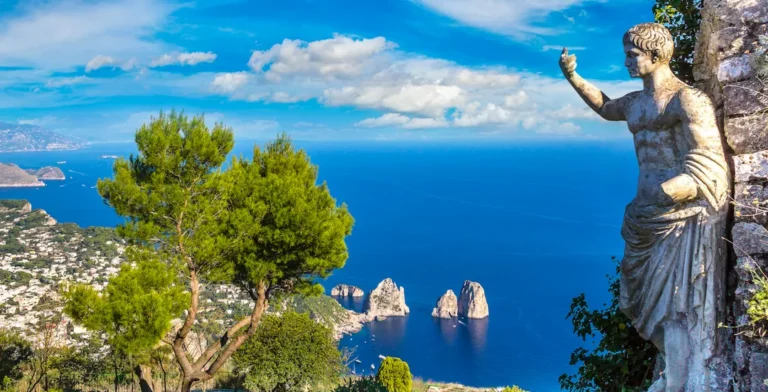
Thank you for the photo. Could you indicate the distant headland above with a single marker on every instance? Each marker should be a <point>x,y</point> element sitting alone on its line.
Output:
<point>26,137</point>
<point>12,176</point>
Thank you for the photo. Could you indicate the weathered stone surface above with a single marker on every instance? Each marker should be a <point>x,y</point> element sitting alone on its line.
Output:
<point>729,41</point>
<point>748,97</point>
<point>751,204</point>
<point>344,290</point>
<point>751,167</point>
<point>747,134</point>
<point>472,301</point>
<point>758,370</point>
<point>740,12</point>
<point>749,239</point>
<point>447,306</point>
<point>735,69</point>
<point>386,300</point>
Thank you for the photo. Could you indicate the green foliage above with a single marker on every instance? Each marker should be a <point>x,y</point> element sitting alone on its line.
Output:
<point>77,366</point>
<point>363,384</point>
<point>14,278</point>
<point>137,306</point>
<point>395,375</point>
<point>12,245</point>
<point>287,230</point>
<point>513,388</point>
<point>14,352</point>
<point>321,308</point>
<point>34,219</point>
<point>289,353</point>
<point>12,203</point>
<point>682,18</point>
<point>7,385</point>
<point>622,361</point>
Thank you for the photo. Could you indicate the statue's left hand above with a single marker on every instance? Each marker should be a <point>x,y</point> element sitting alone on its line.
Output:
<point>679,189</point>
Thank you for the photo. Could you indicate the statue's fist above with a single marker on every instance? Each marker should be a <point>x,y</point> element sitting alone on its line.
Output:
<point>567,63</point>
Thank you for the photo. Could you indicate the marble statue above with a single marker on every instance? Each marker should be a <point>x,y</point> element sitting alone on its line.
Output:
<point>672,274</point>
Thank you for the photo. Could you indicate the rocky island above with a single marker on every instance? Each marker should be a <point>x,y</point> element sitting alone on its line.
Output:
<point>12,176</point>
<point>48,173</point>
<point>385,300</point>
<point>472,302</point>
<point>343,290</point>
<point>447,306</point>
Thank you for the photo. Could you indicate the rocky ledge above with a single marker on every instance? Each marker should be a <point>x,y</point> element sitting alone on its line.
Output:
<point>343,290</point>
<point>385,300</point>
<point>472,302</point>
<point>447,306</point>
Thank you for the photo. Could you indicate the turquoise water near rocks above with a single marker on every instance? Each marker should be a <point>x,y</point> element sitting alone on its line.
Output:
<point>535,224</point>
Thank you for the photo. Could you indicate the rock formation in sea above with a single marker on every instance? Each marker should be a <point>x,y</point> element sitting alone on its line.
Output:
<point>447,306</point>
<point>472,302</point>
<point>344,290</point>
<point>386,300</point>
<point>13,176</point>
<point>50,173</point>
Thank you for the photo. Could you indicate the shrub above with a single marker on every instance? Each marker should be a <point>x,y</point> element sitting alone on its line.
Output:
<point>513,388</point>
<point>289,353</point>
<point>395,375</point>
<point>363,384</point>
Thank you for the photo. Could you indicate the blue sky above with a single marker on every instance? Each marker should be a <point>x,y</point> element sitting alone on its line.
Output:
<point>317,69</point>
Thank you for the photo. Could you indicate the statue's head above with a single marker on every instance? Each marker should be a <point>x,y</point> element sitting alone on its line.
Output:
<point>647,46</point>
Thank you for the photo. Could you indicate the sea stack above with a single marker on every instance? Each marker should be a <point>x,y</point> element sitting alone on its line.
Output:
<point>447,306</point>
<point>386,300</point>
<point>345,290</point>
<point>472,302</point>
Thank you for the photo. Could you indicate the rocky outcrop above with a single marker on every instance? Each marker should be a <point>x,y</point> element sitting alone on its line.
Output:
<point>447,306</point>
<point>386,300</point>
<point>472,302</point>
<point>13,176</point>
<point>344,290</point>
<point>50,173</point>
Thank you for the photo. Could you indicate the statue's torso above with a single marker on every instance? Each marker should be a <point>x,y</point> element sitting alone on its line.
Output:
<point>659,141</point>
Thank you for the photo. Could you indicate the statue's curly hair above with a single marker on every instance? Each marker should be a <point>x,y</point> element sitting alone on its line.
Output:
<point>652,37</point>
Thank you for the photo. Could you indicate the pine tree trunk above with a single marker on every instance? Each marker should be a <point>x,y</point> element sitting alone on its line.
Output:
<point>186,385</point>
<point>146,383</point>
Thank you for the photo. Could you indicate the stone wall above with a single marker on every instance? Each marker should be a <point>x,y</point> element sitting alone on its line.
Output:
<point>725,67</point>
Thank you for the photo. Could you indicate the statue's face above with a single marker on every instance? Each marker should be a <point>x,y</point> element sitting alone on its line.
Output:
<point>639,63</point>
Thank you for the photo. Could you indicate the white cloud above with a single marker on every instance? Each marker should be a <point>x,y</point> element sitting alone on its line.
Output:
<point>516,100</point>
<point>186,58</point>
<point>229,82</point>
<point>39,121</point>
<point>547,48</point>
<point>68,81</point>
<point>100,61</point>
<point>515,18</point>
<point>398,120</point>
<point>68,34</point>
<point>389,119</point>
<point>430,99</point>
<point>283,97</point>
<point>337,57</point>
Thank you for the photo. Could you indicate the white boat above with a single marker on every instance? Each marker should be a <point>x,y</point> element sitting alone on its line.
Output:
<point>61,162</point>
<point>461,322</point>
<point>382,357</point>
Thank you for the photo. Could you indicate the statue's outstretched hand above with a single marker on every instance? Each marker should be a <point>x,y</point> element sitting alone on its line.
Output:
<point>567,63</point>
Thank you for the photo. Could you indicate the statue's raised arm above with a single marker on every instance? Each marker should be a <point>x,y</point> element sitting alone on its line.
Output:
<point>607,108</point>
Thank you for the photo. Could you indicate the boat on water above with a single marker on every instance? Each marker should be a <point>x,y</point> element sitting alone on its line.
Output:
<point>461,322</point>
<point>61,162</point>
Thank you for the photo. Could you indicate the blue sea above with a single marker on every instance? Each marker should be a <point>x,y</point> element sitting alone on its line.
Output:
<point>535,224</point>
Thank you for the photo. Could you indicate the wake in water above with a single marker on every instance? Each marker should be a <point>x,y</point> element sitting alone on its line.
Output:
<point>76,172</point>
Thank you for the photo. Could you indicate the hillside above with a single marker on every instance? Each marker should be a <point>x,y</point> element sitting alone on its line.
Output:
<point>25,137</point>
<point>37,254</point>
<point>13,176</point>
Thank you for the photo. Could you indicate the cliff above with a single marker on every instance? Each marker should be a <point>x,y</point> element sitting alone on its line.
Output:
<point>447,306</point>
<point>343,290</point>
<point>13,176</point>
<point>386,300</point>
<point>472,302</point>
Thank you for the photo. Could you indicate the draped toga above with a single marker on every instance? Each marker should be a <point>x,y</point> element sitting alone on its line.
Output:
<point>672,254</point>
